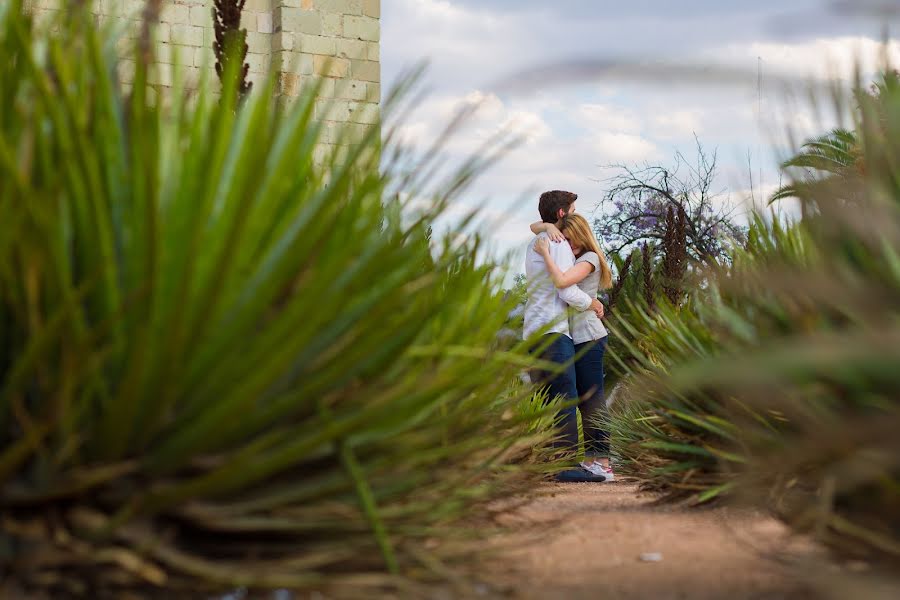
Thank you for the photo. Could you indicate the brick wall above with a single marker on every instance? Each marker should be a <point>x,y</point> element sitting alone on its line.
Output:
<point>332,43</point>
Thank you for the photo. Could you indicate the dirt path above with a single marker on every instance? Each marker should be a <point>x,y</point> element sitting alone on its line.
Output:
<point>595,552</point>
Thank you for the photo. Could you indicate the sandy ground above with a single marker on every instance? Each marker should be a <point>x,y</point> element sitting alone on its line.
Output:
<point>587,541</point>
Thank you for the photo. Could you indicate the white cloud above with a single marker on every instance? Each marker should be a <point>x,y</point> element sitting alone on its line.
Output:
<point>678,123</point>
<point>623,147</point>
<point>831,58</point>
<point>569,130</point>
<point>609,117</point>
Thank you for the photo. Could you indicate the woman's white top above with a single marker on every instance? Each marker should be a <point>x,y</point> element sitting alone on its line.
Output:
<point>586,326</point>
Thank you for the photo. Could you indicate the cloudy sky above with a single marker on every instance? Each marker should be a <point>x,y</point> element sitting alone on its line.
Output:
<point>589,83</point>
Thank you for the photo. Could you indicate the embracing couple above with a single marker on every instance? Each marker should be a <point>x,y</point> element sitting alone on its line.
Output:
<point>564,268</point>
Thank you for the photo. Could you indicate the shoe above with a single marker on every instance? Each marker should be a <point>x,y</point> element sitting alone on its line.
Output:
<point>579,475</point>
<point>597,469</point>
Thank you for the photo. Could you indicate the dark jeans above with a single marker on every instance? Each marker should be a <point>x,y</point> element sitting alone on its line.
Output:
<point>561,351</point>
<point>589,383</point>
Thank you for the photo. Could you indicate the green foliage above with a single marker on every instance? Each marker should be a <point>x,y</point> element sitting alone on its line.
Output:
<point>685,442</point>
<point>781,382</point>
<point>222,363</point>
<point>835,154</point>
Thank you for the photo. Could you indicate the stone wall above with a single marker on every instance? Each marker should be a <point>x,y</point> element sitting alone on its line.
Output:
<point>334,43</point>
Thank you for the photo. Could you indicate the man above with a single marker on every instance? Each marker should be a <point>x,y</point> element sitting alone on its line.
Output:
<point>547,310</point>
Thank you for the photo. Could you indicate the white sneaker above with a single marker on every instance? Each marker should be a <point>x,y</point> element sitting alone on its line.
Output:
<point>597,469</point>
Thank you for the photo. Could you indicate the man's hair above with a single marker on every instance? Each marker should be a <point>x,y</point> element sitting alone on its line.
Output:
<point>552,201</point>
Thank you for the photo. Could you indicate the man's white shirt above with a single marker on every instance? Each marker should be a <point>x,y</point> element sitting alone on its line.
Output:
<point>547,305</point>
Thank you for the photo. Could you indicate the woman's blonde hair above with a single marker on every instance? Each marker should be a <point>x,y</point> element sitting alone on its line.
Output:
<point>580,232</point>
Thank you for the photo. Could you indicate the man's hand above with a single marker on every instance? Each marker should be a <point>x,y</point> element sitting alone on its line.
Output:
<point>597,307</point>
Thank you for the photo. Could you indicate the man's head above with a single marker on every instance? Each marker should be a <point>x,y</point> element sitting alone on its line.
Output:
<point>556,204</point>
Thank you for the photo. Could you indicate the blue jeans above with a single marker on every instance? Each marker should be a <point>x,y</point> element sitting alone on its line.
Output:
<point>561,351</point>
<point>589,383</point>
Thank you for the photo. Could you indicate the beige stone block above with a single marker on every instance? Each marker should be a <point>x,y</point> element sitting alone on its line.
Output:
<point>307,4</point>
<point>327,154</point>
<point>343,7</point>
<point>372,8</point>
<point>295,62</point>
<point>209,36</point>
<point>350,89</point>
<point>283,41</point>
<point>175,14</point>
<point>258,80</point>
<point>300,21</point>
<point>257,6</point>
<point>330,132</point>
<point>323,87</point>
<point>374,51</point>
<point>248,21</point>
<point>163,32</point>
<point>165,53</point>
<point>329,66</point>
<point>343,133</point>
<point>187,35</point>
<point>354,133</point>
<point>190,77</point>
<point>362,28</point>
<point>373,92</point>
<point>203,57</point>
<point>201,16</point>
<point>264,23</point>
<point>365,112</point>
<point>172,54</point>
<point>332,24</point>
<point>365,70</point>
<point>333,110</point>
<point>161,74</point>
<point>355,49</point>
<point>326,86</point>
<point>259,63</point>
<point>314,44</point>
<point>259,42</point>
<point>289,84</point>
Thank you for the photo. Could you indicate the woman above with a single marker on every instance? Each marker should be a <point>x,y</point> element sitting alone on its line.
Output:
<point>591,273</point>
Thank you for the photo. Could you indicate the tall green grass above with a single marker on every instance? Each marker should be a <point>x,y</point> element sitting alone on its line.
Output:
<point>223,363</point>
<point>779,383</point>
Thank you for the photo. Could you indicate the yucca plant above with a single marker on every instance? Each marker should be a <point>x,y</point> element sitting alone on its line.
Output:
<point>689,443</point>
<point>817,345</point>
<point>677,444</point>
<point>802,355</point>
<point>221,363</point>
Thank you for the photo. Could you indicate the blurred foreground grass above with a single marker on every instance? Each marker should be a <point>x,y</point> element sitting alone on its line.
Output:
<point>223,363</point>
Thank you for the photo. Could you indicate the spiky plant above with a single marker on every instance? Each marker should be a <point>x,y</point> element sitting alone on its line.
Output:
<point>816,342</point>
<point>230,44</point>
<point>623,267</point>
<point>647,268</point>
<point>802,366</point>
<point>838,156</point>
<point>686,443</point>
<point>215,369</point>
<point>674,443</point>
<point>675,255</point>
